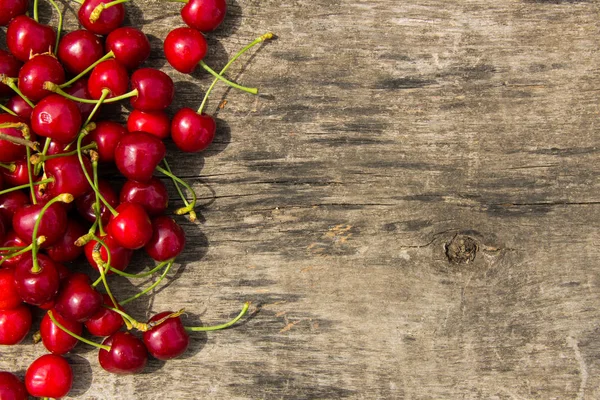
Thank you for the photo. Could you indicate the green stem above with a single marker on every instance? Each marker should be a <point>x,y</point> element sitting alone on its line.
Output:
<point>26,186</point>
<point>8,110</point>
<point>15,248</point>
<point>38,166</point>
<point>22,250</point>
<point>76,336</point>
<point>181,195</point>
<point>219,327</point>
<point>60,24</point>
<point>129,320</point>
<point>149,288</point>
<point>56,89</point>
<point>35,11</point>
<point>103,96</point>
<point>30,176</point>
<point>97,207</point>
<point>9,167</point>
<point>91,146</point>
<point>105,57</point>
<point>190,207</point>
<point>10,82</point>
<point>134,276</point>
<point>227,81</point>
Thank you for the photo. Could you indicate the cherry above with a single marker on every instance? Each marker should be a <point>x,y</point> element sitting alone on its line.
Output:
<point>65,250</point>
<point>68,175</point>
<point>156,123</point>
<point>138,154</point>
<point>57,118</point>
<point>25,37</point>
<point>9,66</point>
<point>9,151</point>
<point>49,376</point>
<point>11,387</point>
<point>36,287</point>
<point>204,15</point>
<point>192,132</point>
<point>168,339</point>
<point>19,176</point>
<point>154,88</point>
<point>11,239</point>
<point>35,72</point>
<point>10,202</point>
<point>106,135</point>
<point>56,148</point>
<point>153,196</point>
<point>119,255</point>
<point>132,227</point>
<point>52,225</point>
<point>20,107</point>
<point>54,338</point>
<point>63,274</point>
<point>85,204</point>
<point>78,50</point>
<point>105,322</point>
<point>80,90</point>
<point>185,48</point>
<point>110,75</point>
<point>129,45</point>
<point>168,239</point>
<point>110,18</point>
<point>77,299</point>
<point>11,9</point>
<point>127,354</point>
<point>2,229</point>
<point>9,297</point>
<point>14,325</point>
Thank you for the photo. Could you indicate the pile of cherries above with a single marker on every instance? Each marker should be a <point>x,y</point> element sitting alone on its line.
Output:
<point>54,205</point>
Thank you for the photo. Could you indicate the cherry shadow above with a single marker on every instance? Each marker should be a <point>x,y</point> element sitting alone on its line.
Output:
<point>83,371</point>
<point>135,15</point>
<point>157,58</point>
<point>232,20</point>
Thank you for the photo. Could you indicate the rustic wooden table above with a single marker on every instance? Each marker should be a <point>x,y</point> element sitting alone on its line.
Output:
<point>410,205</point>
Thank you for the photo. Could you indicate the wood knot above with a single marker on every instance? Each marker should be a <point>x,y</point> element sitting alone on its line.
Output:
<point>462,249</point>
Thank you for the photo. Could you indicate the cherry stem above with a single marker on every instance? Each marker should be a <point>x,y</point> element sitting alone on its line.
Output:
<point>102,270</point>
<point>189,208</point>
<point>181,195</point>
<point>130,322</point>
<point>76,336</point>
<point>103,96</point>
<point>15,248</point>
<point>100,7</point>
<point>219,327</point>
<point>17,140</point>
<point>227,81</point>
<point>60,24</point>
<point>64,198</point>
<point>10,82</point>
<point>30,176</point>
<point>256,41</point>
<point>53,87</point>
<point>149,288</point>
<point>35,11</point>
<point>78,1</point>
<point>26,186</point>
<point>10,167</point>
<point>22,250</point>
<point>8,110</point>
<point>132,276</point>
<point>38,166</point>
<point>40,158</point>
<point>105,57</point>
<point>97,208</point>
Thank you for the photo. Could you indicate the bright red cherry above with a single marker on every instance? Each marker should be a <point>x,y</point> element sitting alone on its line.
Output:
<point>55,339</point>
<point>167,340</point>
<point>204,15</point>
<point>111,75</point>
<point>78,50</point>
<point>65,250</point>
<point>132,228</point>
<point>105,322</point>
<point>9,296</point>
<point>25,36</point>
<point>11,9</point>
<point>119,255</point>
<point>36,287</point>
<point>80,89</point>
<point>14,325</point>
<point>185,48</point>
<point>155,90</point>
<point>106,135</point>
<point>153,196</point>
<point>49,376</point>
<point>57,118</point>
<point>9,66</point>
<point>78,300</point>
<point>192,132</point>
<point>9,151</point>
<point>85,204</point>
<point>52,226</point>
<point>156,123</point>
<point>138,154</point>
<point>130,46</point>
<point>110,18</point>
<point>168,239</point>
<point>35,72</point>
<point>20,107</point>
<point>68,175</point>
<point>11,387</point>
<point>127,354</point>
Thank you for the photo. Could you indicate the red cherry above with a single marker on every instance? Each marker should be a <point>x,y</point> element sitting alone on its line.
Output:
<point>192,132</point>
<point>204,15</point>
<point>49,376</point>
<point>77,300</point>
<point>36,287</point>
<point>9,297</point>
<point>105,322</point>
<point>167,340</point>
<point>185,48</point>
<point>111,75</point>
<point>106,135</point>
<point>57,118</point>
<point>56,148</point>
<point>85,203</point>
<point>130,46</point>
<point>11,9</point>
<point>11,239</point>
<point>52,226</point>
<point>110,18</point>
<point>14,325</point>
<point>19,176</point>
<point>68,175</point>
<point>168,239</point>
<point>25,36</point>
<point>65,250</point>
<point>54,338</point>
<point>80,89</point>
<point>63,274</point>
<point>119,255</point>
<point>153,196</point>
<point>9,66</point>
<point>11,387</point>
<point>156,123</point>
<point>9,151</point>
<point>132,228</point>
<point>127,354</point>
<point>35,72</point>
<point>78,50</point>
<point>155,90</point>
<point>3,229</point>
<point>138,154</point>
<point>20,107</point>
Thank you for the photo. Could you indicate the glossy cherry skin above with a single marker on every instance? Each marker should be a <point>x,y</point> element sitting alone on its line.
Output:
<point>85,203</point>
<point>105,322</point>
<point>57,118</point>
<point>52,226</point>
<point>25,36</point>
<point>156,123</point>
<point>11,9</point>
<point>107,136</point>
<point>35,72</point>
<point>65,250</point>
<point>119,255</point>
<point>127,354</point>
<point>56,148</point>
<point>110,18</point>
<point>14,325</point>
<point>167,340</point>
<point>9,151</point>
<point>80,89</point>
<point>130,46</point>
<point>9,66</point>
<point>153,196</point>
<point>9,297</point>
<point>168,239</point>
<point>77,300</point>
<point>17,177</point>
<point>155,90</point>
<point>63,274</point>
<point>138,154</point>
<point>20,107</point>
<point>11,239</point>
<point>49,376</point>
<point>111,75</point>
<point>78,50</point>
<point>192,132</point>
<point>36,287</point>
<point>204,15</point>
<point>11,387</point>
<point>68,175</point>
<point>55,339</point>
<point>132,228</point>
<point>185,48</point>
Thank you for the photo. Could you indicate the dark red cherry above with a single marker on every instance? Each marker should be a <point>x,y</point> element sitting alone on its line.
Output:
<point>185,48</point>
<point>138,154</point>
<point>110,18</point>
<point>11,9</point>
<point>9,66</point>
<point>11,239</point>
<point>57,118</point>
<point>14,325</point>
<point>130,46</point>
<point>55,339</point>
<point>63,274</point>
<point>20,107</point>
<point>192,132</point>
<point>106,135</point>
<point>19,176</point>
<point>3,229</point>
<point>167,340</point>
<point>85,203</point>
<point>156,123</point>
<point>119,255</point>
<point>105,322</point>
<point>153,196</point>
<point>65,250</point>
<point>132,228</point>
<point>35,72</point>
<point>80,89</point>
<point>127,354</point>
<point>52,226</point>
<point>155,90</point>
<point>9,204</point>
<point>56,148</point>
<point>11,387</point>
<point>9,297</point>
<point>25,37</point>
<point>36,287</point>
<point>78,50</point>
<point>111,75</point>
<point>68,175</point>
<point>204,15</point>
<point>77,300</point>
<point>9,151</point>
<point>168,239</point>
<point>50,376</point>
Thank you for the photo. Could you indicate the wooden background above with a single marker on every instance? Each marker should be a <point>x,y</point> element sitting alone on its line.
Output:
<point>411,205</point>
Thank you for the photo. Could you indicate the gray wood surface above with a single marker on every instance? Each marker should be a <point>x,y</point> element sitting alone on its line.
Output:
<point>411,205</point>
